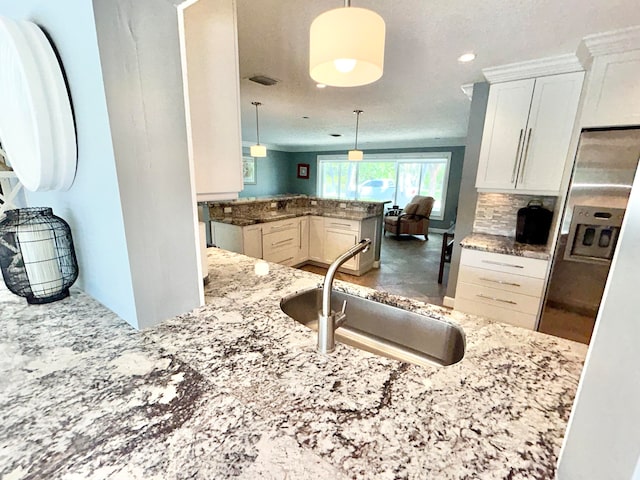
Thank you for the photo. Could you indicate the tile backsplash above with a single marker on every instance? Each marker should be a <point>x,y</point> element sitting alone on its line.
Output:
<point>497,213</point>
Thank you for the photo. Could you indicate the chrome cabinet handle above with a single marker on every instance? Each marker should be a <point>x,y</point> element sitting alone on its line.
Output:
<point>515,160</point>
<point>281,242</point>
<point>501,282</point>
<point>526,154</point>
<point>341,224</point>
<point>495,299</point>
<point>281,227</point>
<point>502,264</point>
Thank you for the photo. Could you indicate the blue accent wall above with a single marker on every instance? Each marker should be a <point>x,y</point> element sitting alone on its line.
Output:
<point>272,174</point>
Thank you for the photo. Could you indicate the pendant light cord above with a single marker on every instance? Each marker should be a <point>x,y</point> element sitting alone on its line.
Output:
<point>257,123</point>
<point>357,112</point>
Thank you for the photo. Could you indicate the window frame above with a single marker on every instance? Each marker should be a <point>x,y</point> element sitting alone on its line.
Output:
<point>398,158</point>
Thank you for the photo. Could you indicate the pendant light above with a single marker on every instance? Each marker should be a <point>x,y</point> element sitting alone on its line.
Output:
<point>356,154</point>
<point>258,150</point>
<point>346,47</point>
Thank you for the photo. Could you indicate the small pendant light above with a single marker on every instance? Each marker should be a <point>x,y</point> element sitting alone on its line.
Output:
<point>346,47</point>
<point>356,154</point>
<point>258,150</point>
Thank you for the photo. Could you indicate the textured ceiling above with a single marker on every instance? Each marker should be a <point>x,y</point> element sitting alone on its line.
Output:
<point>418,101</point>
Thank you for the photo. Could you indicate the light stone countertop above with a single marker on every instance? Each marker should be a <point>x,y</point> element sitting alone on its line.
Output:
<point>235,389</point>
<point>505,245</point>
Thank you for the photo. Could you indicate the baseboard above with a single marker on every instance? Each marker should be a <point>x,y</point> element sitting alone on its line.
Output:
<point>448,302</point>
<point>438,230</point>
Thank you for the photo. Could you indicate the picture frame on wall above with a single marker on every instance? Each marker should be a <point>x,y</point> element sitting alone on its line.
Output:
<point>303,170</point>
<point>248,170</point>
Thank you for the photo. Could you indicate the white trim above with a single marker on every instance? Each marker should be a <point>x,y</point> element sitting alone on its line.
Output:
<point>404,157</point>
<point>533,68</point>
<point>615,41</point>
<point>448,302</point>
<point>467,89</point>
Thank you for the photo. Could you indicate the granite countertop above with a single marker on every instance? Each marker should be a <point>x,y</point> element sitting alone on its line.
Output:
<point>275,216</point>
<point>505,245</point>
<point>236,389</point>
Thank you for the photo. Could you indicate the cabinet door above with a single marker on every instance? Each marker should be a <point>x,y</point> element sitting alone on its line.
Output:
<point>303,247</point>
<point>209,50</point>
<point>252,237</point>
<point>503,134</point>
<point>551,119</point>
<point>336,242</point>
<point>316,239</point>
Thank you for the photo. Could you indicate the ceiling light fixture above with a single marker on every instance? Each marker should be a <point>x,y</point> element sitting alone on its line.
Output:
<point>258,150</point>
<point>467,57</point>
<point>346,47</point>
<point>356,154</point>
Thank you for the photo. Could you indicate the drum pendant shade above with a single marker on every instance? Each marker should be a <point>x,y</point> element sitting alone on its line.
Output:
<point>341,36</point>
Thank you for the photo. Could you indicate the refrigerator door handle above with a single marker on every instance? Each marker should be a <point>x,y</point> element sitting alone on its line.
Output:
<point>515,160</point>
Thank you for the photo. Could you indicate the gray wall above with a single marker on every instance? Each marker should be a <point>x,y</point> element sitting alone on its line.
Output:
<point>272,174</point>
<point>92,206</point>
<point>467,187</point>
<point>140,56</point>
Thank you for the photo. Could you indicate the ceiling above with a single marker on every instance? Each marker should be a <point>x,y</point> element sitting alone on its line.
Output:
<point>418,101</point>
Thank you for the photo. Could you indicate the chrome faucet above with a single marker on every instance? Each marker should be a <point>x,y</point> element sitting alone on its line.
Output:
<point>329,320</point>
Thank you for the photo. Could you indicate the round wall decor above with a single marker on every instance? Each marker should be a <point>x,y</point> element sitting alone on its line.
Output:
<point>36,123</point>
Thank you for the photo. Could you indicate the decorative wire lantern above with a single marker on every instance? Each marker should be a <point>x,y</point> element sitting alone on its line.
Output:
<point>37,257</point>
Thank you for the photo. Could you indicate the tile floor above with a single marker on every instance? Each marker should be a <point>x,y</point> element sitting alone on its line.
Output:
<point>408,267</point>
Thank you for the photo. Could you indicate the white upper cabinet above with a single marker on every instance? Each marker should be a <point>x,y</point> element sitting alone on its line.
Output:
<point>209,49</point>
<point>527,132</point>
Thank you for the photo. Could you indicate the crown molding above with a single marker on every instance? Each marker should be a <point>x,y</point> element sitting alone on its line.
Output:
<point>533,68</point>
<point>467,89</point>
<point>615,41</point>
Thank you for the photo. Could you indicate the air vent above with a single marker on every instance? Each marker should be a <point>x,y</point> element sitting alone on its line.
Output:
<point>263,80</point>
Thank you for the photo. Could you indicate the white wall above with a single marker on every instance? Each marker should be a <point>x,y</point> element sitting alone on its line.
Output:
<point>603,436</point>
<point>140,57</point>
<point>92,205</point>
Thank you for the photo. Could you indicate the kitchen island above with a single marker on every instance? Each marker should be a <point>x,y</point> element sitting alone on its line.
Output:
<point>236,389</point>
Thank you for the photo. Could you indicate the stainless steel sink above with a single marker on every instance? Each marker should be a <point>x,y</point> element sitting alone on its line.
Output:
<point>382,329</point>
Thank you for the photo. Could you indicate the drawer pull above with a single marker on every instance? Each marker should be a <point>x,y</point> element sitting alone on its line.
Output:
<point>495,299</point>
<point>281,242</point>
<point>348,225</point>
<point>281,227</point>
<point>287,259</point>
<point>502,264</point>
<point>501,282</point>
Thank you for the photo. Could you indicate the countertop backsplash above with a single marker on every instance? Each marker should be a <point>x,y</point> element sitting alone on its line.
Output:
<point>497,213</point>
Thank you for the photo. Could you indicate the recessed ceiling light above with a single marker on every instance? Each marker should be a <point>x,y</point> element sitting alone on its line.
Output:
<point>467,57</point>
<point>305,117</point>
<point>335,134</point>
<point>321,85</point>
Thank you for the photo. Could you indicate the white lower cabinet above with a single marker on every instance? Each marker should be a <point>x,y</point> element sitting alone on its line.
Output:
<point>316,239</point>
<point>506,288</point>
<point>297,240</point>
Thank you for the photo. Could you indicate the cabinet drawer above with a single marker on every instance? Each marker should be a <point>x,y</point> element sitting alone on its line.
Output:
<point>280,225</point>
<point>286,256</point>
<point>498,298</point>
<point>277,241</point>
<point>341,224</point>
<point>502,281</point>
<point>530,267</point>
<point>512,317</point>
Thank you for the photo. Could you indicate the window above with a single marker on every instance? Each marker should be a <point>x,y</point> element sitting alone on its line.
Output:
<point>386,177</point>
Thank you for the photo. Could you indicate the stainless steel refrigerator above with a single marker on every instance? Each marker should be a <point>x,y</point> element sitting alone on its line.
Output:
<point>604,170</point>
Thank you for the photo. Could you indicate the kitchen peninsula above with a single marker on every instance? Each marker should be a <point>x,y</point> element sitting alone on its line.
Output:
<point>236,389</point>
<point>294,230</point>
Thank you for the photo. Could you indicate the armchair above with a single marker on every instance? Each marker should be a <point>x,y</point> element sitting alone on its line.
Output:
<point>412,220</point>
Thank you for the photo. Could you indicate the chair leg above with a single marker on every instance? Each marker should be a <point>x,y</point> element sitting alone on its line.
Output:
<point>426,238</point>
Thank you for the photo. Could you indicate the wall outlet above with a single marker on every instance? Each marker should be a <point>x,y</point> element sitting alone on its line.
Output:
<point>313,202</point>
<point>227,209</point>
<point>343,205</point>
<point>274,204</point>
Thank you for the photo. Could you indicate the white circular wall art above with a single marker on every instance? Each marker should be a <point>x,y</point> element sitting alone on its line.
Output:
<point>36,124</point>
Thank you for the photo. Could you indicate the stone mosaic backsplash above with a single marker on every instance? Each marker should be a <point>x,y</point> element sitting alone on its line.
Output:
<point>257,207</point>
<point>497,213</point>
